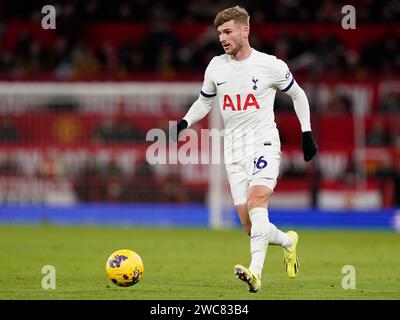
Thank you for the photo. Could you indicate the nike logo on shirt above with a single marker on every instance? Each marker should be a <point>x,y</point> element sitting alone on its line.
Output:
<point>219,83</point>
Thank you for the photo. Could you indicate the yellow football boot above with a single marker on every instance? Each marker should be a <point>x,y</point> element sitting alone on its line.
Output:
<point>290,257</point>
<point>252,280</point>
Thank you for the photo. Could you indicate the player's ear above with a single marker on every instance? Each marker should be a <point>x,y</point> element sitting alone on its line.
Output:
<point>246,31</point>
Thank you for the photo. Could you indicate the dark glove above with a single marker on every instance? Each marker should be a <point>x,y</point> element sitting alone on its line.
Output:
<point>175,130</point>
<point>309,146</point>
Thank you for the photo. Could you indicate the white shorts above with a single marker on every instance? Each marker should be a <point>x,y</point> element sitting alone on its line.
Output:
<point>260,169</point>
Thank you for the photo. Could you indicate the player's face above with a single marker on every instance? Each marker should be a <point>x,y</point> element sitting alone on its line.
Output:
<point>232,36</point>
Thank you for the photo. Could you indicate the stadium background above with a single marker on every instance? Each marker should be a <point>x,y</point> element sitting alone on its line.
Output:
<point>77,102</point>
<point>73,154</point>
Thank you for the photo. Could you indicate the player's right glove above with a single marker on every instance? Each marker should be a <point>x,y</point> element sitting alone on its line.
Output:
<point>309,146</point>
<point>175,130</point>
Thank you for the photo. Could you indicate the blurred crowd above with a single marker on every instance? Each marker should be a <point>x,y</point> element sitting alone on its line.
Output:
<point>161,51</point>
<point>109,183</point>
<point>326,11</point>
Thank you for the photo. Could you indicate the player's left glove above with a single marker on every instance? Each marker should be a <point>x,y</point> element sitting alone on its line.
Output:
<point>309,146</point>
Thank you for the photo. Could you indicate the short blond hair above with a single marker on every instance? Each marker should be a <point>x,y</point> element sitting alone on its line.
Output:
<point>236,13</point>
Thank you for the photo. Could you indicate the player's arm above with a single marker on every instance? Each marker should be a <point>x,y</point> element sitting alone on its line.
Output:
<point>201,107</point>
<point>302,109</point>
<point>287,84</point>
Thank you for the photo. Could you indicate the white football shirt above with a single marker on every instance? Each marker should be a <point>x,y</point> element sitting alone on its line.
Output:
<point>246,93</point>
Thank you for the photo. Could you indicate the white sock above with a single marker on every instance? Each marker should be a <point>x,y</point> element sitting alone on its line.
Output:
<point>279,237</point>
<point>260,231</point>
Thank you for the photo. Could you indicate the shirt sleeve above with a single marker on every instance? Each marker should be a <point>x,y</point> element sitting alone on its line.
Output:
<point>202,106</point>
<point>208,90</point>
<point>301,106</point>
<point>198,110</point>
<point>283,78</point>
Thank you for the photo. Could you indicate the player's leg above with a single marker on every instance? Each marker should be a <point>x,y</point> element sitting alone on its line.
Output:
<point>291,261</point>
<point>251,278</point>
<point>258,198</point>
<point>264,171</point>
<point>243,214</point>
<point>277,237</point>
<point>259,235</point>
<point>238,182</point>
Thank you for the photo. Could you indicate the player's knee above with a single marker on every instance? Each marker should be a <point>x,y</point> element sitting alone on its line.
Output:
<point>258,197</point>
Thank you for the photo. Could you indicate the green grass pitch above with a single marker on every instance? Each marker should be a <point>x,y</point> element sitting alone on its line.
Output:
<point>195,264</point>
